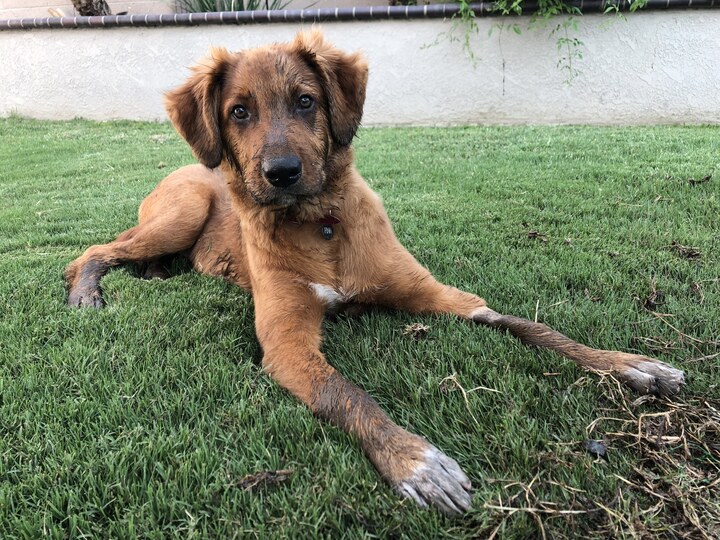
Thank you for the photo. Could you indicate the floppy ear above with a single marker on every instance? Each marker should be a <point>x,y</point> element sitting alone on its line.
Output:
<point>344,77</point>
<point>194,107</point>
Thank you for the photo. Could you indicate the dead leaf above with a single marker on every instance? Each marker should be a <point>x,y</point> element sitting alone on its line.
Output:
<point>416,330</point>
<point>696,289</point>
<point>685,251</point>
<point>534,235</point>
<point>592,297</point>
<point>704,179</point>
<point>260,480</point>
<point>655,297</point>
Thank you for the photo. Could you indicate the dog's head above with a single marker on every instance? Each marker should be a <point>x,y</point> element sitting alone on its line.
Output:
<point>275,115</point>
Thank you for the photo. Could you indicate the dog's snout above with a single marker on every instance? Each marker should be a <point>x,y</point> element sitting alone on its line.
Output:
<point>283,171</point>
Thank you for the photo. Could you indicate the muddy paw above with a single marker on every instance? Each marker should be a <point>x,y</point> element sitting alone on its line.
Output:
<point>438,481</point>
<point>650,376</point>
<point>81,298</point>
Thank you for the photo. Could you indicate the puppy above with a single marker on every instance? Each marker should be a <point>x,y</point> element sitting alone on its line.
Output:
<point>277,207</point>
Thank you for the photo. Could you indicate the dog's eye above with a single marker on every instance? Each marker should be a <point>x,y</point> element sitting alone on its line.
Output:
<point>305,102</point>
<point>240,112</point>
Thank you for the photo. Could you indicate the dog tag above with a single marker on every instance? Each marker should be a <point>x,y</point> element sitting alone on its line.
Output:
<point>327,221</point>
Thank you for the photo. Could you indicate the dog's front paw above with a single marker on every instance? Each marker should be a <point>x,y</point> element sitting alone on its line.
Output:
<point>438,481</point>
<point>419,471</point>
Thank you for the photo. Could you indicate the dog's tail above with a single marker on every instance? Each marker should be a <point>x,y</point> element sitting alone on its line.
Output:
<point>642,373</point>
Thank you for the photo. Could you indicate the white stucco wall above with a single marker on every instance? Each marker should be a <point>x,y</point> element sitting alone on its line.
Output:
<point>657,67</point>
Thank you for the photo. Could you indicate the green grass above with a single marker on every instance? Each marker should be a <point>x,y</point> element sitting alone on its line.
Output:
<point>141,420</point>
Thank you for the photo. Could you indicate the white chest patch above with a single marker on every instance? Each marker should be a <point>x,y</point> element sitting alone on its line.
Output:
<point>330,296</point>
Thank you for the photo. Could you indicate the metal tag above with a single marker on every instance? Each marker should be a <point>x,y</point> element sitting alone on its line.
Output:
<point>327,232</point>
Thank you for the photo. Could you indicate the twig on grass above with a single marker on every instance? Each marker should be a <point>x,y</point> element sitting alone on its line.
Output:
<point>533,505</point>
<point>513,509</point>
<point>641,488</point>
<point>663,316</point>
<point>657,344</point>
<point>453,378</point>
<point>693,342</point>
<point>702,358</point>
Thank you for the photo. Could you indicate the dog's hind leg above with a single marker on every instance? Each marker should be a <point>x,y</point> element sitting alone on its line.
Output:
<point>645,375</point>
<point>155,269</point>
<point>161,233</point>
<point>412,288</point>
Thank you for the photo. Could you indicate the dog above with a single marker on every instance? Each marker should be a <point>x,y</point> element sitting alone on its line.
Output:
<point>277,207</point>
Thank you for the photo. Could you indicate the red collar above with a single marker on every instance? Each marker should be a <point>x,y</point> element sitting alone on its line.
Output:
<point>327,219</point>
<point>326,225</point>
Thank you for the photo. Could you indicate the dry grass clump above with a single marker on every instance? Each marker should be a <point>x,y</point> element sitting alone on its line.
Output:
<point>674,488</point>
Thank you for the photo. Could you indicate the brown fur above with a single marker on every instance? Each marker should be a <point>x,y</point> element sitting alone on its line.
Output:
<point>230,221</point>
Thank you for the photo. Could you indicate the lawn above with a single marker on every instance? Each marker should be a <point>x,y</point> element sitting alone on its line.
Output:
<point>152,418</point>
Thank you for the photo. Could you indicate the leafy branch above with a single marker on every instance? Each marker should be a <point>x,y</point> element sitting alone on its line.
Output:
<point>569,46</point>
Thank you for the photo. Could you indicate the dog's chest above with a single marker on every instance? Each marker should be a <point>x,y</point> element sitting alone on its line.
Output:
<point>302,249</point>
<point>333,299</point>
<point>317,258</point>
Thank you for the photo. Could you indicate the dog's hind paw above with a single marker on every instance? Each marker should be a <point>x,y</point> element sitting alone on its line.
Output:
<point>438,481</point>
<point>81,298</point>
<point>650,376</point>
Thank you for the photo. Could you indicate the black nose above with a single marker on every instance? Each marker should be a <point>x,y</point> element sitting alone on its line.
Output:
<point>283,171</point>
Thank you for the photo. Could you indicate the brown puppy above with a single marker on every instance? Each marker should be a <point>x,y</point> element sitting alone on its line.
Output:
<point>278,208</point>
